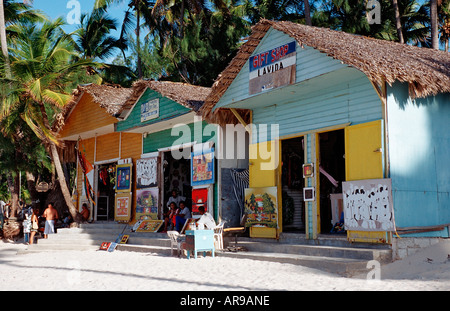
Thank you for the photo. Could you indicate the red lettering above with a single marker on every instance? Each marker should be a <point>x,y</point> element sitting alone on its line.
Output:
<point>255,61</point>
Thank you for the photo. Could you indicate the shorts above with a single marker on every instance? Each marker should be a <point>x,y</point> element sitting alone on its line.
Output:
<point>49,227</point>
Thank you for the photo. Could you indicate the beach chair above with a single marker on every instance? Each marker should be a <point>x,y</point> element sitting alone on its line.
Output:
<point>176,241</point>
<point>218,235</point>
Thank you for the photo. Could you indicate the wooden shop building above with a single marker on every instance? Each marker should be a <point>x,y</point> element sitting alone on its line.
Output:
<point>343,128</point>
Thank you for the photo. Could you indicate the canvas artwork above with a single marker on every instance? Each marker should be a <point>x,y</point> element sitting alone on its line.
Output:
<point>104,246</point>
<point>147,173</point>
<point>147,203</point>
<point>199,198</point>
<point>202,170</point>
<point>149,226</point>
<point>261,206</point>
<point>123,207</point>
<point>123,177</point>
<point>368,205</point>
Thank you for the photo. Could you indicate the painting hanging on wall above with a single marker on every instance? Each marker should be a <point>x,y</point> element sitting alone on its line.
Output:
<point>202,167</point>
<point>147,173</point>
<point>199,198</point>
<point>147,203</point>
<point>123,177</point>
<point>261,207</point>
<point>122,210</point>
<point>368,205</point>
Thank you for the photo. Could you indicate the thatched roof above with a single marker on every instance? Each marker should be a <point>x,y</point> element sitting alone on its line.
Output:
<point>107,96</point>
<point>426,71</point>
<point>190,96</point>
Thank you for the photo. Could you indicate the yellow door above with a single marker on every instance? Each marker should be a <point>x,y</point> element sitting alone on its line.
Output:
<point>364,160</point>
<point>263,171</point>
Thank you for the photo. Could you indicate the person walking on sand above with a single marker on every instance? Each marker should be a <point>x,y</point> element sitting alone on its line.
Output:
<point>51,215</point>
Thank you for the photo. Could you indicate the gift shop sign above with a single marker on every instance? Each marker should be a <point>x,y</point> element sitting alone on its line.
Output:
<point>150,110</point>
<point>272,69</point>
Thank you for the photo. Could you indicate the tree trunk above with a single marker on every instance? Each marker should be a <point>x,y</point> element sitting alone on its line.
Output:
<point>62,182</point>
<point>3,39</point>
<point>398,22</point>
<point>59,171</point>
<point>138,39</point>
<point>31,185</point>
<point>15,195</point>
<point>307,13</point>
<point>434,25</point>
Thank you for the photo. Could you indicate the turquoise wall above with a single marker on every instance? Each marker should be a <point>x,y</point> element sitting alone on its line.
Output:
<point>168,109</point>
<point>419,156</point>
<point>326,93</point>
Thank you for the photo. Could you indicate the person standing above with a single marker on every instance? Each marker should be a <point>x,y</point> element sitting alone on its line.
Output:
<point>34,224</point>
<point>51,215</point>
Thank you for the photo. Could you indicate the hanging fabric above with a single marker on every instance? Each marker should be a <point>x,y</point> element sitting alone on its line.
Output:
<point>240,180</point>
<point>88,171</point>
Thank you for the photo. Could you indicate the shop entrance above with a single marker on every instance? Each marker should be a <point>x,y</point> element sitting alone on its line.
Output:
<point>332,173</point>
<point>292,181</point>
<point>176,176</point>
<point>106,179</point>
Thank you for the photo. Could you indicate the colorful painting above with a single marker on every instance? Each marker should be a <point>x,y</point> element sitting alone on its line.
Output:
<point>199,198</point>
<point>202,167</point>
<point>124,239</point>
<point>368,205</point>
<point>261,206</point>
<point>104,246</point>
<point>122,211</point>
<point>123,177</point>
<point>149,226</point>
<point>147,203</point>
<point>147,173</point>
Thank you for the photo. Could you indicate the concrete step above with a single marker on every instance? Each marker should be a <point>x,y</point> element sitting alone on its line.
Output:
<point>342,266</point>
<point>328,253</point>
<point>382,255</point>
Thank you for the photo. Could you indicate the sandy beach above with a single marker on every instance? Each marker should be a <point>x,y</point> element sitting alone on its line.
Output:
<point>428,270</point>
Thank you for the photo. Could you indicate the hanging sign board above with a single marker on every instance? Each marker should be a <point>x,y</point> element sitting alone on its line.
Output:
<point>150,110</point>
<point>273,68</point>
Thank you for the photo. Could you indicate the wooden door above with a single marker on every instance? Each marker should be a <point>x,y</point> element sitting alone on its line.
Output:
<point>364,160</point>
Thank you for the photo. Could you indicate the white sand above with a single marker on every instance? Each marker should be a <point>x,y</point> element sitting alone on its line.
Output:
<point>100,270</point>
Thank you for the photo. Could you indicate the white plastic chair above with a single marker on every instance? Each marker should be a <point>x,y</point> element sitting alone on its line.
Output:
<point>218,235</point>
<point>175,241</point>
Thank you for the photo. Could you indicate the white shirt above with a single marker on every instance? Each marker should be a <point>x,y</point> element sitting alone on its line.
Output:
<point>206,221</point>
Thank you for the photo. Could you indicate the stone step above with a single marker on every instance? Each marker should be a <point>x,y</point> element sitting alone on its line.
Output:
<point>328,253</point>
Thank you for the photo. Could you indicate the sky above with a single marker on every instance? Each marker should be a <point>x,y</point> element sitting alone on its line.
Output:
<point>70,9</point>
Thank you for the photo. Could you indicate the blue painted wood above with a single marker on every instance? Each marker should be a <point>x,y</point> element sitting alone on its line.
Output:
<point>199,241</point>
<point>347,97</point>
<point>419,155</point>
<point>310,63</point>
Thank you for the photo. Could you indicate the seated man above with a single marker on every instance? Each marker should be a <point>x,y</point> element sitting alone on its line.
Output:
<point>85,212</point>
<point>183,215</point>
<point>206,221</point>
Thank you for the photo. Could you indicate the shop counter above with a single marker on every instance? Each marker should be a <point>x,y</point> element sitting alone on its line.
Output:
<point>199,241</point>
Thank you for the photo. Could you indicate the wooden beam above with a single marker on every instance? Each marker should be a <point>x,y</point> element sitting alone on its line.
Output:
<point>241,120</point>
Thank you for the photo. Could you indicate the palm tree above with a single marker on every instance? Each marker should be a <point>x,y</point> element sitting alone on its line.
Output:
<point>398,22</point>
<point>93,39</point>
<point>445,23</point>
<point>142,10</point>
<point>43,74</point>
<point>3,40</point>
<point>434,24</point>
